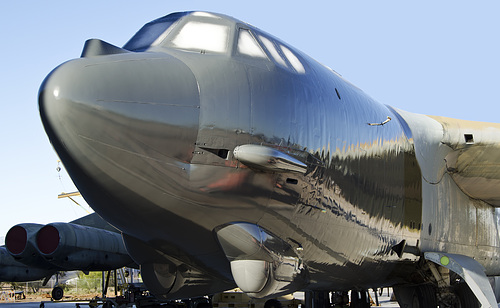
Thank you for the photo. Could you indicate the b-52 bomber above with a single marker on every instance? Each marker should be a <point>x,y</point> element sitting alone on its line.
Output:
<point>228,158</point>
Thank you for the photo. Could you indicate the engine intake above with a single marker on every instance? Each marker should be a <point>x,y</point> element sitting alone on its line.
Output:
<point>16,240</point>
<point>48,239</point>
<point>20,240</point>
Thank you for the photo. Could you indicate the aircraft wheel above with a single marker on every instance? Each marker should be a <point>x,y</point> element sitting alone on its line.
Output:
<point>359,299</point>
<point>202,303</point>
<point>272,303</point>
<point>108,304</point>
<point>339,298</point>
<point>57,293</point>
<point>426,295</point>
<point>421,296</point>
<point>466,297</point>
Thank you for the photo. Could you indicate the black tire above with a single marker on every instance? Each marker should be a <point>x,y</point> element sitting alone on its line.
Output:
<point>57,293</point>
<point>417,296</point>
<point>426,295</point>
<point>201,302</point>
<point>272,303</point>
<point>107,305</point>
<point>466,296</point>
<point>359,299</point>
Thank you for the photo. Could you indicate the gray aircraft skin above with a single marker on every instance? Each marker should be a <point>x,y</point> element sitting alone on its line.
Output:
<point>229,158</point>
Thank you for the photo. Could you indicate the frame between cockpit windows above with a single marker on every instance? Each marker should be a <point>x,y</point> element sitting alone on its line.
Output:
<point>291,62</point>
<point>237,39</point>
<point>279,53</point>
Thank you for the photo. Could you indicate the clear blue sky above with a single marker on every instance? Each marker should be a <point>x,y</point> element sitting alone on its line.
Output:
<point>430,57</point>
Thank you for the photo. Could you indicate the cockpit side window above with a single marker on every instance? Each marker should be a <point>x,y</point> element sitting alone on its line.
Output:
<point>202,37</point>
<point>282,55</point>
<point>248,46</point>
<point>294,61</point>
<point>153,32</point>
<point>272,50</point>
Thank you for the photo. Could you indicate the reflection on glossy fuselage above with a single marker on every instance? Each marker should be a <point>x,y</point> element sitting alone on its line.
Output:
<point>148,134</point>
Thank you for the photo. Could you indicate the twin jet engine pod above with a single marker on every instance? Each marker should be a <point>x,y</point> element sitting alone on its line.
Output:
<point>261,263</point>
<point>71,246</point>
<point>20,242</point>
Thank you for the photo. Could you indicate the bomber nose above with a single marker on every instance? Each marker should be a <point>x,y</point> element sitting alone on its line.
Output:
<point>113,113</point>
<point>52,106</point>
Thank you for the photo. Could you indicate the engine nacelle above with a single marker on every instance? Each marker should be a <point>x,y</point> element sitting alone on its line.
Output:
<point>14,271</point>
<point>75,247</point>
<point>20,242</point>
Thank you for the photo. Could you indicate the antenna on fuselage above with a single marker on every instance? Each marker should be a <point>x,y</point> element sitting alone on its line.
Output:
<point>381,123</point>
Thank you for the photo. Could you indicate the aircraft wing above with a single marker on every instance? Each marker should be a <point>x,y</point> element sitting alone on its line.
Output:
<point>95,221</point>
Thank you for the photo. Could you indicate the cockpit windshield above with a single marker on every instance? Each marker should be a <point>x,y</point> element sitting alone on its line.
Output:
<point>208,33</point>
<point>152,31</point>
<point>202,36</point>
